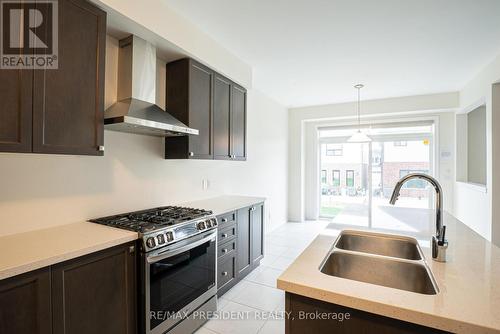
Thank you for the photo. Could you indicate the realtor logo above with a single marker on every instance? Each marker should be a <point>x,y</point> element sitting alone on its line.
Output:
<point>29,34</point>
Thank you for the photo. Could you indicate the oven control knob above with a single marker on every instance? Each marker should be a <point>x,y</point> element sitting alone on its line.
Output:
<point>170,236</point>
<point>201,226</point>
<point>161,239</point>
<point>150,242</point>
<point>208,223</point>
<point>214,222</point>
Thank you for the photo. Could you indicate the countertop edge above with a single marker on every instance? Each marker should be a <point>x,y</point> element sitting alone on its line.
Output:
<point>446,324</point>
<point>49,261</point>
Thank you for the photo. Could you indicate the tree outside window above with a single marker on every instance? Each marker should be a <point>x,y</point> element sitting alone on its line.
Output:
<point>349,178</point>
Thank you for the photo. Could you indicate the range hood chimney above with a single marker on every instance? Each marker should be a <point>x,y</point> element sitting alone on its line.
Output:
<point>136,111</point>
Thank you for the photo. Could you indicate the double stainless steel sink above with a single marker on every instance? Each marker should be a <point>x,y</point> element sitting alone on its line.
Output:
<point>383,259</point>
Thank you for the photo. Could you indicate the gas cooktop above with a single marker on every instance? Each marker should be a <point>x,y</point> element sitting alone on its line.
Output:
<point>164,225</point>
<point>152,219</point>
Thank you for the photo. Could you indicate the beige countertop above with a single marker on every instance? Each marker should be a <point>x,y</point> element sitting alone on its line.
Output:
<point>223,204</point>
<point>45,247</point>
<point>23,252</point>
<point>469,284</point>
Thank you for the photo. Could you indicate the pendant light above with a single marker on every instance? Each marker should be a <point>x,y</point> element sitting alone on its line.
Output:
<point>358,136</point>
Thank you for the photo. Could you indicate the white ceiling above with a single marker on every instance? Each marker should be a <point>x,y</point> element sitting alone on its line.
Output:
<point>309,52</point>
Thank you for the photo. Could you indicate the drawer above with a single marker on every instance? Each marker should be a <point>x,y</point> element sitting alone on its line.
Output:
<point>227,248</point>
<point>226,219</point>
<point>227,271</point>
<point>226,233</point>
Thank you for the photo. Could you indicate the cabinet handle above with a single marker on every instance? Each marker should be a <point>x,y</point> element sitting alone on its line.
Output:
<point>224,235</point>
<point>253,208</point>
<point>224,250</point>
<point>131,249</point>
<point>224,220</point>
<point>100,148</point>
<point>224,273</point>
<point>191,154</point>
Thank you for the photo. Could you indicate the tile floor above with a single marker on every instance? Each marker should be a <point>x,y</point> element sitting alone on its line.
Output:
<point>258,292</point>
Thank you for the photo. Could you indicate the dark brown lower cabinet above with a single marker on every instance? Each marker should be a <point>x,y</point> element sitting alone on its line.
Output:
<point>244,259</point>
<point>257,231</point>
<point>305,316</point>
<point>25,306</point>
<point>246,248</point>
<point>95,293</point>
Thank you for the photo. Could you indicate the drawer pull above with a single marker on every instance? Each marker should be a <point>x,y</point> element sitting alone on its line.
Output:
<point>224,273</point>
<point>224,220</point>
<point>224,235</point>
<point>224,250</point>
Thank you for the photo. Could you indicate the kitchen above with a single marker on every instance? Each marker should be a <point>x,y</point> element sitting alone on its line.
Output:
<point>239,198</point>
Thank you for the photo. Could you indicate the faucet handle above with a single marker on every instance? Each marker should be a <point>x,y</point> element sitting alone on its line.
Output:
<point>439,248</point>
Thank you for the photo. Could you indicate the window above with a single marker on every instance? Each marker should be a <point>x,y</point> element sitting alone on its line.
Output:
<point>336,178</point>
<point>414,183</point>
<point>323,176</point>
<point>335,150</point>
<point>400,143</point>
<point>349,178</point>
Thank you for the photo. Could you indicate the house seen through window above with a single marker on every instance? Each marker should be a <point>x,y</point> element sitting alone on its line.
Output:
<point>334,150</point>
<point>414,183</point>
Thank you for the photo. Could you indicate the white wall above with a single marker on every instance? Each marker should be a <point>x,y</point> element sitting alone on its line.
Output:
<point>474,206</point>
<point>303,194</point>
<point>39,191</point>
<point>154,21</point>
<point>44,190</point>
<point>476,146</point>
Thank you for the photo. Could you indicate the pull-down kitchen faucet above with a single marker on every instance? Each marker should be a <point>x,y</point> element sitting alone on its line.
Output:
<point>439,243</point>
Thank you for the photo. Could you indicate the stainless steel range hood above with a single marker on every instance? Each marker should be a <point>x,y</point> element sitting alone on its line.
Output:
<point>136,111</point>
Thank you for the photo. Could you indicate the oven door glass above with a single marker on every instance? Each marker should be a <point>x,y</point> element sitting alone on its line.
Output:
<point>178,280</point>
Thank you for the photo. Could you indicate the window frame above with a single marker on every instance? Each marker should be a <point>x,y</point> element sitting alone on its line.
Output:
<point>347,178</point>
<point>338,178</point>
<point>324,177</point>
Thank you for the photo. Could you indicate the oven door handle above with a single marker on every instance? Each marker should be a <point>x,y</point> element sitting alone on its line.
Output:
<point>175,251</point>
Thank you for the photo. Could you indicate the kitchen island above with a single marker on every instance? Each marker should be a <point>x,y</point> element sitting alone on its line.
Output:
<point>468,300</point>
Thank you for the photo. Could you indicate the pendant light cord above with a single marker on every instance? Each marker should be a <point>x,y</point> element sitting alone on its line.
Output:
<point>358,87</point>
<point>359,115</point>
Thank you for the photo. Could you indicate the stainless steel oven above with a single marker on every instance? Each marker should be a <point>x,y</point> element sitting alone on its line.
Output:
<point>177,280</point>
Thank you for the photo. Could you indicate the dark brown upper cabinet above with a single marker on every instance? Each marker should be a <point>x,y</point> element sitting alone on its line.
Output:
<point>60,110</point>
<point>68,115</point>
<point>189,99</point>
<point>222,118</point>
<point>16,93</point>
<point>205,100</point>
<point>238,122</point>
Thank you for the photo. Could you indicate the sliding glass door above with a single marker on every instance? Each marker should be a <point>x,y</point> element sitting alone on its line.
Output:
<point>357,179</point>
<point>344,182</point>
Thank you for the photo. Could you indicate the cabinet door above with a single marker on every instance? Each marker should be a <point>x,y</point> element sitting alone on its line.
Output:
<point>15,110</point>
<point>25,303</point>
<point>200,111</point>
<point>257,229</point>
<point>238,122</point>
<point>68,102</point>
<point>96,293</point>
<point>243,259</point>
<point>222,118</point>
